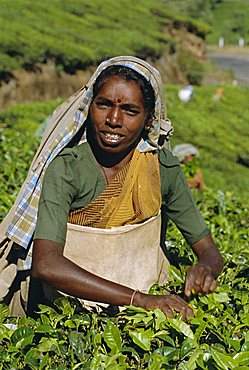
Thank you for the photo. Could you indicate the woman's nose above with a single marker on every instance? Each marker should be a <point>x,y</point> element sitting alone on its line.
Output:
<point>114,117</point>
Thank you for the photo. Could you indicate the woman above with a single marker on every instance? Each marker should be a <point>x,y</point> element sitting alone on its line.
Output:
<point>105,191</point>
<point>189,157</point>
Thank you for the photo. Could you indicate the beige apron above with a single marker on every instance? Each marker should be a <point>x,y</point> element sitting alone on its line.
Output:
<point>129,255</point>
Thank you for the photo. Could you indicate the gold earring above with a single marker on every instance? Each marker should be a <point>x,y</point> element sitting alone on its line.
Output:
<point>149,124</point>
<point>147,127</point>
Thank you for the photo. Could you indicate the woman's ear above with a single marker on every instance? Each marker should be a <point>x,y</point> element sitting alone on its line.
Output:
<point>148,123</point>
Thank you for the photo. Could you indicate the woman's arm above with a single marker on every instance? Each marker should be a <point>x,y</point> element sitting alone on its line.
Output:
<point>201,277</point>
<point>180,207</point>
<point>51,266</point>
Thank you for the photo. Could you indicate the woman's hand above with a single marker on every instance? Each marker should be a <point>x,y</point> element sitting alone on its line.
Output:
<point>200,280</point>
<point>167,303</point>
<point>201,277</point>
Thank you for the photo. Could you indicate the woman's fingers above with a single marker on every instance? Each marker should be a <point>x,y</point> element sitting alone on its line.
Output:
<point>167,310</point>
<point>168,303</point>
<point>209,284</point>
<point>190,280</point>
<point>200,280</point>
<point>179,305</point>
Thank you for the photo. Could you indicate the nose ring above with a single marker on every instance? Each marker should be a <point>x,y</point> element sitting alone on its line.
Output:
<point>107,120</point>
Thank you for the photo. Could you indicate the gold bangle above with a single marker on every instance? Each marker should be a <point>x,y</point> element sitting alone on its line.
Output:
<point>133,295</point>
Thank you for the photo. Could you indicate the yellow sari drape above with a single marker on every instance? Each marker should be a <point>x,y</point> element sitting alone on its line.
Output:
<point>133,196</point>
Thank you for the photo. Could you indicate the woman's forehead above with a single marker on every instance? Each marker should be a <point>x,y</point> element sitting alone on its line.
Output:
<point>118,76</point>
<point>120,90</point>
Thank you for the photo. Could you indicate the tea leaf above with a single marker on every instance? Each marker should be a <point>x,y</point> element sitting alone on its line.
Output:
<point>182,327</point>
<point>112,337</point>
<point>142,338</point>
<point>224,361</point>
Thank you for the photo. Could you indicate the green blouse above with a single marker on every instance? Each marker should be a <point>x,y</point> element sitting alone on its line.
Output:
<point>73,180</point>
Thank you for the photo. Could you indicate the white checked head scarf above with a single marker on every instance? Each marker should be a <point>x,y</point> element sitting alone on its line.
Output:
<point>63,126</point>
<point>161,126</point>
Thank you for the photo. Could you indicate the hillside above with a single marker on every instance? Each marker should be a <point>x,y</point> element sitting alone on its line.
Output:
<point>82,32</point>
<point>48,49</point>
<point>230,20</point>
<point>219,129</point>
<point>227,18</point>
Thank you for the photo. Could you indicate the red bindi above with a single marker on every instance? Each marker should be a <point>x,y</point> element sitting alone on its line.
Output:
<point>118,101</point>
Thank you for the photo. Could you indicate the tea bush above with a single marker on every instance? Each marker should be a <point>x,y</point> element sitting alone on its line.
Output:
<point>192,68</point>
<point>227,18</point>
<point>216,338</point>
<point>78,33</point>
<point>218,128</point>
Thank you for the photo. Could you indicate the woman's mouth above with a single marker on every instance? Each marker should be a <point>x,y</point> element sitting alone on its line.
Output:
<point>110,138</point>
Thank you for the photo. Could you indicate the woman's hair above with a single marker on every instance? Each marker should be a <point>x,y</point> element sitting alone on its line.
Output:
<point>128,74</point>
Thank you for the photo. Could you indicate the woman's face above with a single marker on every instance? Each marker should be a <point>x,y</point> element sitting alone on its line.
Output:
<point>117,115</point>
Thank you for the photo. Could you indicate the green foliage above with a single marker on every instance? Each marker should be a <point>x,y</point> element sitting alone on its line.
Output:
<point>216,338</point>
<point>18,143</point>
<point>83,32</point>
<point>218,128</point>
<point>227,18</point>
<point>191,67</point>
<point>230,20</point>
<point>190,168</point>
<point>227,218</point>
<point>7,63</point>
<point>199,10</point>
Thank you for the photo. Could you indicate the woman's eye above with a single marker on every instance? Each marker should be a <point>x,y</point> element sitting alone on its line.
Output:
<point>131,112</point>
<point>101,105</point>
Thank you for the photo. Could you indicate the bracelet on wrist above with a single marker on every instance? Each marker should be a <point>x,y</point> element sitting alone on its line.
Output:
<point>132,296</point>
